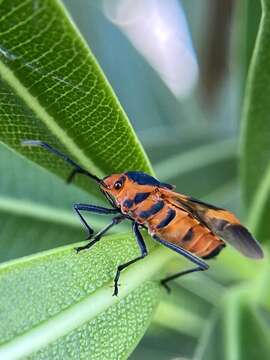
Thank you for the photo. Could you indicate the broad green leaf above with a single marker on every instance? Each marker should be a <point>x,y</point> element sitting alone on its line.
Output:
<point>64,302</point>
<point>256,128</point>
<point>36,208</point>
<point>52,89</point>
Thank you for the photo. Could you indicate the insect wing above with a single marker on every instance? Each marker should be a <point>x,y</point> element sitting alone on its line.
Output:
<point>220,221</point>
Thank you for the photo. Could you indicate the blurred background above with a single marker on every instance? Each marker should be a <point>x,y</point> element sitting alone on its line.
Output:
<point>179,71</point>
<point>200,114</point>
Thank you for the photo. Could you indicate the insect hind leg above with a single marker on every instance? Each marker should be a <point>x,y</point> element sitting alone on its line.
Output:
<point>201,265</point>
<point>164,282</point>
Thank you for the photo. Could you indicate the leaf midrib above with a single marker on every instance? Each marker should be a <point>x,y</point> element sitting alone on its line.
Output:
<point>86,309</point>
<point>47,119</point>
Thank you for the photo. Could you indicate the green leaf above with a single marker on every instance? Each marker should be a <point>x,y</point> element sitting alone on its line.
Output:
<point>256,128</point>
<point>52,89</point>
<point>64,301</point>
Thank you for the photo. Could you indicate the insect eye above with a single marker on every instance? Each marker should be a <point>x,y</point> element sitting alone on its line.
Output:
<point>118,185</point>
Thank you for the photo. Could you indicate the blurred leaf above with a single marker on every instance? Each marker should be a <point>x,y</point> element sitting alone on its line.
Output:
<point>256,127</point>
<point>202,170</point>
<point>211,334</point>
<point>216,311</point>
<point>53,89</point>
<point>254,339</point>
<point>251,15</point>
<point>226,196</point>
<point>176,318</point>
<point>164,344</point>
<point>66,305</point>
<point>214,57</point>
<point>196,158</point>
<point>235,329</point>
<point>233,268</point>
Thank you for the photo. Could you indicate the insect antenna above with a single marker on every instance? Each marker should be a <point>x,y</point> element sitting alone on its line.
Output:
<point>77,167</point>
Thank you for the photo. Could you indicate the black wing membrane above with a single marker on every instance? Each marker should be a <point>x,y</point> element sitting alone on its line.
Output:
<point>221,222</point>
<point>241,239</point>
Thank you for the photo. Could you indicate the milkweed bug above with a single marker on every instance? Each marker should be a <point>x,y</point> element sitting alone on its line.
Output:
<point>194,229</point>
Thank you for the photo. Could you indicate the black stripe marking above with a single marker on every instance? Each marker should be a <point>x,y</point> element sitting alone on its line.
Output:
<point>169,217</point>
<point>128,203</point>
<point>153,210</point>
<point>141,197</point>
<point>168,186</point>
<point>188,236</point>
<point>145,179</point>
<point>142,178</point>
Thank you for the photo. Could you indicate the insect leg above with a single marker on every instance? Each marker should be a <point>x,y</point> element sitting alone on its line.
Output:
<point>72,174</point>
<point>144,252</point>
<point>93,209</point>
<point>116,220</point>
<point>201,265</point>
<point>164,282</point>
<point>77,168</point>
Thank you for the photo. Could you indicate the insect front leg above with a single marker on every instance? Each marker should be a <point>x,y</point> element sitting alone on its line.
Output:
<point>94,209</point>
<point>144,252</point>
<point>116,220</point>
<point>201,265</point>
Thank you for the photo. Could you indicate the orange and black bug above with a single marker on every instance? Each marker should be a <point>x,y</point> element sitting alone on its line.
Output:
<point>192,228</point>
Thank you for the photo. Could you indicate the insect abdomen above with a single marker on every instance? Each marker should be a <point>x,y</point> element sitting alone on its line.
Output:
<point>178,227</point>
